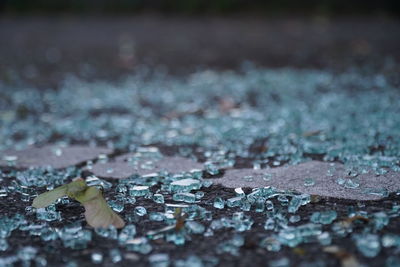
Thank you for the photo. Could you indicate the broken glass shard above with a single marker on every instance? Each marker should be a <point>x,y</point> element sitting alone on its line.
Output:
<point>309,182</point>
<point>368,244</point>
<point>158,198</point>
<point>185,185</point>
<point>185,197</point>
<point>97,257</point>
<point>219,203</point>
<point>140,211</point>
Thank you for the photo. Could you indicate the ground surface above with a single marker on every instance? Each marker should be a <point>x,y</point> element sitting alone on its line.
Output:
<point>203,247</point>
<point>312,110</point>
<point>44,50</point>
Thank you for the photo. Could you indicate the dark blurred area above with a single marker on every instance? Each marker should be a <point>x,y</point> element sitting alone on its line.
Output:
<point>331,7</point>
<point>42,42</point>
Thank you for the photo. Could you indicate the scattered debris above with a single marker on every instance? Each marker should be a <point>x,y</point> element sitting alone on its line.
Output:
<point>184,165</point>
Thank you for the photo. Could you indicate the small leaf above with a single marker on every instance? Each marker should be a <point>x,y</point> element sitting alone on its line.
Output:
<point>97,212</point>
<point>299,251</point>
<point>47,198</point>
<point>347,259</point>
<point>312,133</point>
<point>71,189</point>
<point>351,220</point>
<point>180,219</point>
<point>76,187</point>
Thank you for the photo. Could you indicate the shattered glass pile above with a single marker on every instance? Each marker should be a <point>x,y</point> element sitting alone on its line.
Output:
<point>349,117</point>
<point>257,119</point>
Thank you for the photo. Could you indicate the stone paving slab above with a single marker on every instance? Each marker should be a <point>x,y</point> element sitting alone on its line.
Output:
<point>293,178</point>
<point>51,155</point>
<point>121,168</point>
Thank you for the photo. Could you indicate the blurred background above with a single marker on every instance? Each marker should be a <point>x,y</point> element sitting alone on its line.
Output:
<point>42,42</point>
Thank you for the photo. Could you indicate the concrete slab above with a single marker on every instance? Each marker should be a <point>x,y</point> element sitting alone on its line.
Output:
<point>51,155</point>
<point>121,168</point>
<point>293,178</point>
